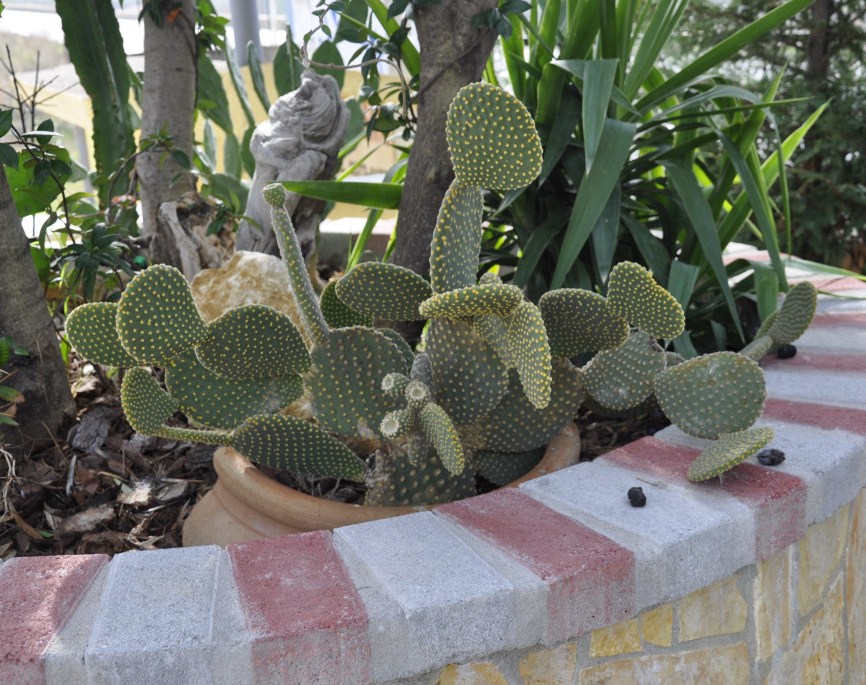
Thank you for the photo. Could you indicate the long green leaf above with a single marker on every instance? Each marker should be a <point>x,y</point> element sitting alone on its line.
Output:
<point>211,98</point>
<point>561,133</point>
<point>376,195</point>
<point>240,88</point>
<point>598,79</point>
<point>408,51</point>
<point>256,75</point>
<point>593,193</point>
<point>605,235</point>
<point>664,19</point>
<point>681,281</point>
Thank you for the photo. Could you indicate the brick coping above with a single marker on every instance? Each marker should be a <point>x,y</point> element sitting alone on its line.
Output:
<point>554,559</point>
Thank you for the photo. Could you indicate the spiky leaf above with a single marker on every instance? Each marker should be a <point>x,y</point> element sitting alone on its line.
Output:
<point>157,318</point>
<point>795,315</point>
<point>623,378</point>
<point>286,442</point>
<point>384,291</point>
<point>470,379</point>
<point>251,342</point>
<point>456,240</point>
<point>633,293</point>
<point>728,451</point>
<point>716,393</point>
<point>515,425</point>
<point>92,331</point>
<point>337,313</point>
<point>527,341</point>
<point>346,377</point>
<point>465,303</point>
<point>492,139</point>
<point>439,431</point>
<point>222,402</point>
<point>579,321</point>
<point>146,404</point>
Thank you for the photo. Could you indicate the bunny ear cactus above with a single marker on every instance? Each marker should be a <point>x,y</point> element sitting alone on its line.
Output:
<point>785,325</point>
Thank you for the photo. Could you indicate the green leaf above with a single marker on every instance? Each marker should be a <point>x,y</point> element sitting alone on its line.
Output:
<point>597,87</point>
<point>240,88</point>
<point>212,99</point>
<point>376,195</point>
<point>5,121</point>
<point>8,156</point>
<point>287,66</point>
<point>256,75</point>
<point>681,281</point>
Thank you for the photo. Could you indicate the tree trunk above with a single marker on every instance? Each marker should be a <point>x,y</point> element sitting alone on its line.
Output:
<point>453,54</point>
<point>41,376</point>
<point>818,50</point>
<point>168,105</point>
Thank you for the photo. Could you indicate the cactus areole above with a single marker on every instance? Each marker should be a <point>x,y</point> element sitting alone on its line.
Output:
<point>493,385</point>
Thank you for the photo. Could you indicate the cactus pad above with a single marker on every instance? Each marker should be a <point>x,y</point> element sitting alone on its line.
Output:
<point>795,315</point>
<point>402,345</point>
<point>146,404</point>
<point>758,348</point>
<point>394,384</point>
<point>285,442</point>
<point>490,298</point>
<point>398,481</point>
<point>92,331</point>
<point>224,403</point>
<point>417,394</point>
<point>157,318</point>
<point>439,431</point>
<point>492,139</point>
<point>275,195</point>
<point>633,293</point>
<point>515,425</point>
<point>422,370</point>
<point>579,321</point>
<point>501,468</point>
<point>716,393</point>
<point>346,377</point>
<point>384,291</point>
<point>494,330</point>
<point>728,451</point>
<point>621,379</point>
<point>469,378</point>
<point>456,240</point>
<point>253,341</point>
<point>337,314</point>
<point>530,351</point>
<point>397,423</point>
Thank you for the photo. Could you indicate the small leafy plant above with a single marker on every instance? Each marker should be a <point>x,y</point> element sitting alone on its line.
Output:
<point>493,384</point>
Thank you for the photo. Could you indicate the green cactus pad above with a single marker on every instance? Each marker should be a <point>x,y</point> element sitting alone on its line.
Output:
<point>394,384</point>
<point>422,370</point>
<point>795,315</point>
<point>515,425</point>
<point>345,381</point>
<point>146,404</point>
<point>728,451</point>
<point>286,442</point>
<point>758,348</point>
<point>92,331</point>
<point>417,394</point>
<point>633,293</point>
<point>397,423</point>
<point>401,482</point>
<point>224,403</point>
<point>337,314</point>
<point>621,379</point>
<point>491,298</point>
<point>456,240</point>
<point>501,468</point>
<point>402,345</point>
<point>469,378</point>
<point>489,277</point>
<point>157,318</point>
<point>530,351</point>
<point>579,321</point>
<point>492,139</point>
<point>384,291</point>
<point>766,324</point>
<point>716,393</point>
<point>439,431</point>
<point>275,195</point>
<point>494,329</point>
<point>251,342</point>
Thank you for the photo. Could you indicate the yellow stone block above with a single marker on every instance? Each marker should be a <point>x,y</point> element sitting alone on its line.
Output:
<point>817,655</point>
<point>549,666</point>
<point>483,673</point>
<point>820,553</point>
<point>773,593</point>
<point>713,666</point>
<point>855,592</point>
<point>656,625</point>
<point>621,638</point>
<point>718,609</point>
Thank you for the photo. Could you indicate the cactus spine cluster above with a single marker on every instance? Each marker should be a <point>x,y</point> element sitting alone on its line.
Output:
<point>495,381</point>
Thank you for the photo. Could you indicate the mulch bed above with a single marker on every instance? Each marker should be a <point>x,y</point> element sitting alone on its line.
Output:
<point>105,489</point>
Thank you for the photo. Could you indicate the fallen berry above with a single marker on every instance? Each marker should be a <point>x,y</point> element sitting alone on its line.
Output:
<point>636,497</point>
<point>786,352</point>
<point>771,457</point>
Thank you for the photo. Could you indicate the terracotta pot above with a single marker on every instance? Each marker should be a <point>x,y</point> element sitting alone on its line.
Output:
<point>247,505</point>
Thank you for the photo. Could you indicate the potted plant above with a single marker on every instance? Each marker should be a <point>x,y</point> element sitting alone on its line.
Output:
<point>491,385</point>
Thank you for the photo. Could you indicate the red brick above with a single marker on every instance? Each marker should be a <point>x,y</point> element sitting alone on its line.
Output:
<point>585,570</point>
<point>846,363</point>
<point>308,622</point>
<point>778,498</point>
<point>38,595</point>
<point>821,415</point>
<point>846,320</point>
<point>838,284</point>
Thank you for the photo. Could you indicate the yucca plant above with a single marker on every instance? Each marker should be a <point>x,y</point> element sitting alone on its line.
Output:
<point>493,385</point>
